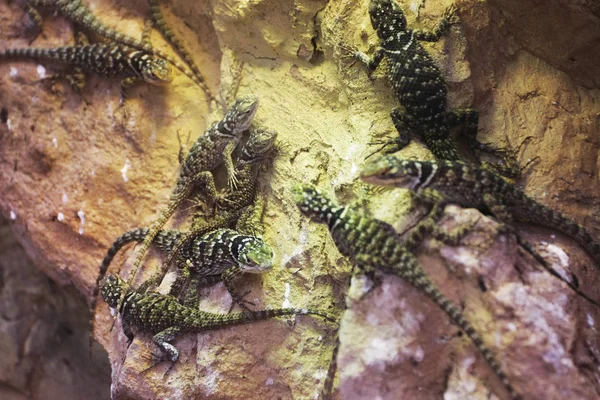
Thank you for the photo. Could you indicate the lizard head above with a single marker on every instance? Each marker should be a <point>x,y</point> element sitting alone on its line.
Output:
<point>239,116</point>
<point>387,17</point>
<point>111,289</point>
<point>256,256</point>
<point>156,71</point>
<point>313,202</point>
<point>259,145</point>
<point>391,171</point>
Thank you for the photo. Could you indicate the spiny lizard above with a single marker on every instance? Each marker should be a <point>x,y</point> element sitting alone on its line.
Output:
<point>374,245</point>
<point>471,186</point>
<point>236,204</point>
<point>107,59</point>
<point>80,14</point>
<point>417,82</point>
<point>259,150</point>
<point>220,255</point>
<point>165,318</point>
<point>205,155</point>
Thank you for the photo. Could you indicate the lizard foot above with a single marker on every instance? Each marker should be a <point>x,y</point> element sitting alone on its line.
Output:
<point>240,301</point>
<point>348,53</point>
<point>386,146</point>
<point>451,14</point>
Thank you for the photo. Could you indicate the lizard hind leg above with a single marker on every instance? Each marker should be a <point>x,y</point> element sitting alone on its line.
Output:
<point>404,124</point>
<point>33,23</point>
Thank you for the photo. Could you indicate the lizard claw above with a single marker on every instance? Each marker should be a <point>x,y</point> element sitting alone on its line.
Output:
<point>348,52</point>
<point>240,301</point>
<point>221,200</point>
<point>232,181</point>
<point>154,360</point>
<point>451,14</point>
<point>385,146</point>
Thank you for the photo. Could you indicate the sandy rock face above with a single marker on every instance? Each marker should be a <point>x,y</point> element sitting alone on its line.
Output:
<point>74,177</point>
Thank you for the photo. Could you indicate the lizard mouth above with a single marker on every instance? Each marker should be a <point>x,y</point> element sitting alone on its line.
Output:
<point>386,171</point>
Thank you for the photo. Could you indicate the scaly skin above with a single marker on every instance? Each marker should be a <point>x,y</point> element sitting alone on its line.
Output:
<point>471,186</point>
<point>374,245</point>
<point>237,201</point>
<point>417,83</point>
<point>220,255</point>
<point>159,20</point>
<point>106,59</point>
<point>165,318</point>
<point>80,14</point>
<point>259,150</point>
<point>206,154</point>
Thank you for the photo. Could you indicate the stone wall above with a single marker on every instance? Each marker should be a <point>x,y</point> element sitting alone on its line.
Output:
<point>74,177</point>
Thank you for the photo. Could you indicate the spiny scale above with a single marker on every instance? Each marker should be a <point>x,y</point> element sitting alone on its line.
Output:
<point>164,317</point>
<point>163,27</point>
<point>100,58</point>
<point>165,240</point>
<point>80,14</point>
<point>472,186</point>
<point>206,154</point>
<point>374,245</point>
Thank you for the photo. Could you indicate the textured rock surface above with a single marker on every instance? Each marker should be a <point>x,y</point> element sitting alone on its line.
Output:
<point>73,177</point>
<point>43,334</point>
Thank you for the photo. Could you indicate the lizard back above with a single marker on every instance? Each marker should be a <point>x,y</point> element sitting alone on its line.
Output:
<point>414,76</point>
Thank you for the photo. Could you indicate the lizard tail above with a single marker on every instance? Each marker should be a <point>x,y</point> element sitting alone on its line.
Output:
<point>426,286</point>
<point>58,54</point>
<point>135,235</point>
<point>179,194</point>
<point>551,219</point>
<point>326,393</point>
<point>205,322</point>
<point>162,26</point>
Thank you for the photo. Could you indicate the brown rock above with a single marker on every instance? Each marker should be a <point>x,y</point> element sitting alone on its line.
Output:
<point>75,177</point>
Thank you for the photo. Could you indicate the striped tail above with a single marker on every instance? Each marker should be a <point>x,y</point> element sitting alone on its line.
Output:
<point>423,283</point>
<point>207,321</point>
<point>162,26</point>
<point>60,54</point>
<point>544,216</point>
<point>179,194</point>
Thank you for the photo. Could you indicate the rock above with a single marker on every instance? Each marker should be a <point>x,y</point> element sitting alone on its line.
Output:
<point>44,334</point>
<point>74,177</point>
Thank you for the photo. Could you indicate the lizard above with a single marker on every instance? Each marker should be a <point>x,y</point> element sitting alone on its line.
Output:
<point>165,318</point>
<point>106,59</point>
<point>471,186</point>
<point>259,150</point>
<point>81,15</point>
<point>417,83</point>
<point>373,245</point>
<point>220,255</point>
<point>236,204</point>
<point>206,154</point>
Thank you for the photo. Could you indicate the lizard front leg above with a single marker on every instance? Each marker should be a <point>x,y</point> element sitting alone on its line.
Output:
<point>450,18</point>
<point>162,339</point>
<point>126,84</point>
<point>229,277</point>
<point>404,124</point>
